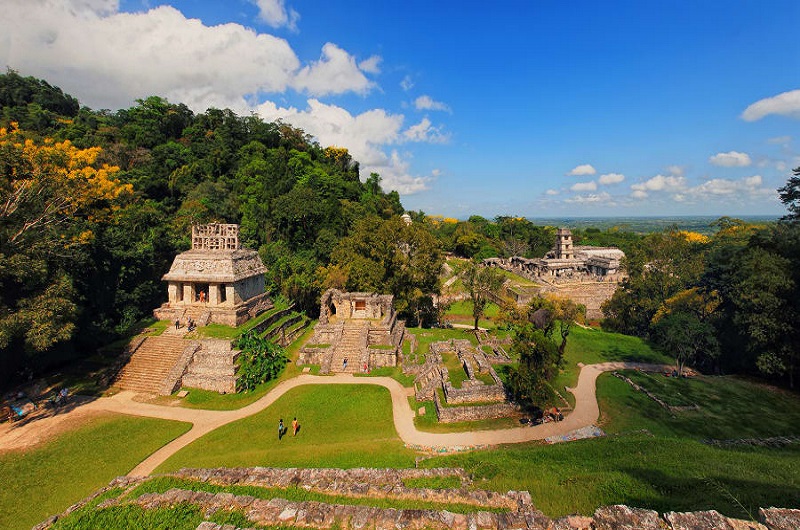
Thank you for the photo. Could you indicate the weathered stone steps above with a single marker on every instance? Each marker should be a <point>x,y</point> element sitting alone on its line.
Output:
<point>150,364</point>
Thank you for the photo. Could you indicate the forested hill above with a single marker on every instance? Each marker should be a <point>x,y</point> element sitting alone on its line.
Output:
<point>97,203</point>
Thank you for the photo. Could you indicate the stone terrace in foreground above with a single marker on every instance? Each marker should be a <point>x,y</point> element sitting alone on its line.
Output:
<point>492,510</point>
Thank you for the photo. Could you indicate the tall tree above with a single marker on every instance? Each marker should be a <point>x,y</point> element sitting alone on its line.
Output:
<point>481,284</point>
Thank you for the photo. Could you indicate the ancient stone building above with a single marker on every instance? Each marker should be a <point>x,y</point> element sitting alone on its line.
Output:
<point>356,333</point>
<point>587,275</point>
<point>216,281</point>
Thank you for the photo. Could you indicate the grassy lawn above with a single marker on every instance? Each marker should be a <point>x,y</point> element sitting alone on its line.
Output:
<point>341,426</point>
<point>662,474</point>
<point>395,372</point>
<point>654,458</point>
<point>47,479</point>
<point>591,346</point>
<point>429,423</point>
<point>728,407</point>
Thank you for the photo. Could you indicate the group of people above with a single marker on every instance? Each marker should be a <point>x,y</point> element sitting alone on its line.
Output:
<point>282,428</point>
<point>190,326</point>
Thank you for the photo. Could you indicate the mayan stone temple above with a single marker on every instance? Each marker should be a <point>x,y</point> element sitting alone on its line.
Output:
<point>216,281</point>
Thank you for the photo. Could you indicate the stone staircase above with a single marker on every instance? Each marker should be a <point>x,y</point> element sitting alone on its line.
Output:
<point>150,365</point>
<point>351,346</point>
<point>213,367</point>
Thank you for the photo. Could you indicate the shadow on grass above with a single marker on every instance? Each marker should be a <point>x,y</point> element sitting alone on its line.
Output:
<point>731,496</point>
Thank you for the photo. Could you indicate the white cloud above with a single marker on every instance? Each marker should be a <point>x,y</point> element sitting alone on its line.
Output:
<point>584,169</point>
<point>427,103</point>
<point>584,186</point>
<point>365,135</point>
<point>661,183</point>
<point>108,59</point>
<point>731,159</point>
<point>407,83</point>
<point>371,65</point>
<point>675,170</point>
<point>639,194</point>
<point>275,14</point>
<point>551,192</point>
<point>603,197</point>
<point>780,140</point>
<point>611,178</point>
<point>784,104</point>
<point>425,132</point>
<point>749,186</point>
<point>336,72</point>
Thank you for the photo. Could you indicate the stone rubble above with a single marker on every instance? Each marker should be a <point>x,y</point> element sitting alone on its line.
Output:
<point>512,510</point>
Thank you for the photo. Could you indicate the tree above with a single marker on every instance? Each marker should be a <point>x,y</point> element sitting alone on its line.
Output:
<point>790,195</point>
<point>52,195</point>
<point>539,363</point>
<point>389,256</point>
<point>687,337</point>
<point>481,284</point>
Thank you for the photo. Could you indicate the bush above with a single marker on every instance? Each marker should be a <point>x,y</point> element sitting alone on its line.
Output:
<point>261,360</point>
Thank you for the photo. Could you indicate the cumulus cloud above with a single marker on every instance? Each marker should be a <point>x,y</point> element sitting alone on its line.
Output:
<point>336,72</point>
<point>428,103</point>
<point>582,170</point>
<point>717,187</point>
<point>424,131</point>
<point>584,186</point>
<point>276,14</point>
<point>109,59</point>
<point>365,135</point>
<point>731,159</point>
<point>784,104</point>
<point>661,183</point>
<point>611,178</point>
<point>551,192</point>
<point>602,197</point>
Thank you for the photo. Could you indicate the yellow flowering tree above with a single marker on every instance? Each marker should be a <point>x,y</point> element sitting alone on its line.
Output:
<point>51,195</point>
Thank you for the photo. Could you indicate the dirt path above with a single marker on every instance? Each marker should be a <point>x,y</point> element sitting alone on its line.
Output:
<point>585,414</point>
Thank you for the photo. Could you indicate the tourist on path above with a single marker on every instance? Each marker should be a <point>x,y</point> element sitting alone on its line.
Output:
<point>344,364</point>
<point>280,429</point>
<point>295,426</point>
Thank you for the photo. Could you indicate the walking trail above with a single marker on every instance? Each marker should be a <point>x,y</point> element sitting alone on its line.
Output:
<point>585,413</point>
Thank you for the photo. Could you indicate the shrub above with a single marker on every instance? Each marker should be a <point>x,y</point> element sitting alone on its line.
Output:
<point>261,360</point>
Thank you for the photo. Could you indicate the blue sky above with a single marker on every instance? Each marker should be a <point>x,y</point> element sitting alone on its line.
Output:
<point>527,108</point>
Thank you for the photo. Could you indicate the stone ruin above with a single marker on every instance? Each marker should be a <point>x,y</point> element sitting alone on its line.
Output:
<point>587,275</point>
<point>475,400</point>
<point>216,281</point>
<point>356,332</point>
<point>493,510</point>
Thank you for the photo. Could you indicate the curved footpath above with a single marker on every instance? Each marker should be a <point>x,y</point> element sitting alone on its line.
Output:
<point>585,413</point>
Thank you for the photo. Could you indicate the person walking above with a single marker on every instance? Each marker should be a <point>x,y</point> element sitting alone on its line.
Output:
<point>280,429</point>
<point>295,426</point>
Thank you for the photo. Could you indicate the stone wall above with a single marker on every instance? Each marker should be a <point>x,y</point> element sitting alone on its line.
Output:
<point>447,414</point>
<point>513,509</point>
<point>590,294</point>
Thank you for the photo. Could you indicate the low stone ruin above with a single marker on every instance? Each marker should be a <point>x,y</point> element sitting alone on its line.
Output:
<point>475,400</point>
<point>493,510</point>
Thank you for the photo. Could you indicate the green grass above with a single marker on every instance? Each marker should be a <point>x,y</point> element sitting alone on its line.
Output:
<point>641,471</point>
<point>654,458</point>
<point>395,372</point>
<point>464,308</point>
<point>47,479</point>
<point>729,407</point>
<point>516,279</point>
<point>341,426</point>
<point>132,517</point>
<point>591,346</point>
